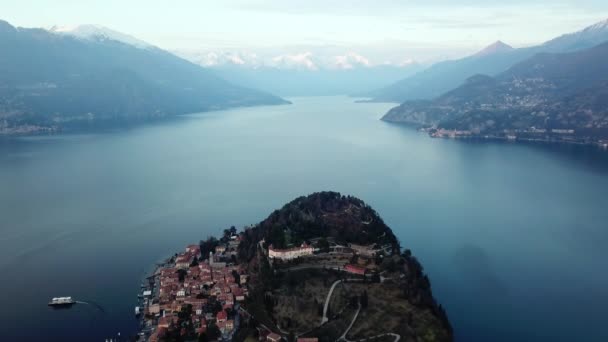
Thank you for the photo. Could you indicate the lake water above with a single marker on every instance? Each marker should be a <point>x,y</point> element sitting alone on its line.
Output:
<point>514,237</point>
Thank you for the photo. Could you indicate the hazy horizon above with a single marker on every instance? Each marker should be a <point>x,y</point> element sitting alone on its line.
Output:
<point>383,32</point>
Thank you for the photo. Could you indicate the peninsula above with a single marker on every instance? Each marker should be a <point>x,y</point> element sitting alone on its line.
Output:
<point>325,267</point>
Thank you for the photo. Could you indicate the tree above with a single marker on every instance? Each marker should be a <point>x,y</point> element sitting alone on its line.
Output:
<point>213,332</point>
<point>237,276</point>
<point>203,337</point>
<point>266,275</point>
<point>277,237</point>
<point>363,299</point>
<point>185,312</point>
<point>376,278</point>
<point>407,253</point>
<point>323,245</point>
<point>208,246</point>
<point>354,300</point>
<point>181,275</point>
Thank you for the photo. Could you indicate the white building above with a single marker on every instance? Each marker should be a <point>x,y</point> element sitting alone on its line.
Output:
<point>290,253</point>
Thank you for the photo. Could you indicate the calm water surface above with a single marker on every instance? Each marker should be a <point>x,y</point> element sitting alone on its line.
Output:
<point>514,237</point>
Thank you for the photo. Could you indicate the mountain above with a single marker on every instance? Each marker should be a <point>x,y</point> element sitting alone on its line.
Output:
<point>494,59</point>
<point>546,97</point>
<point>92,77</point>
<point>100,33</point>
<point>306,82</point>
<point>356,235</point>
<point>303,73</point>
<point>590,36</point>
<point>496,48</point>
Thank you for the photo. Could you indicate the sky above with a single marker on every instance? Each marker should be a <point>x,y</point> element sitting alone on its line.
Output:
<point>382,30</point>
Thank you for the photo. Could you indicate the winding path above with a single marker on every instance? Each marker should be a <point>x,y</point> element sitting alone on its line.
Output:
<point>343,337</point>
<point>331,290</point>
<point>396,336</point>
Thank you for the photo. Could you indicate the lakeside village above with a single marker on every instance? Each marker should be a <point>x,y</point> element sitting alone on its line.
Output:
<point>201,294</point>
<point>531,134</point>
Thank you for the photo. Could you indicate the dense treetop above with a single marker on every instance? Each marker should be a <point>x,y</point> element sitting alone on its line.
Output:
<point>323,214</point>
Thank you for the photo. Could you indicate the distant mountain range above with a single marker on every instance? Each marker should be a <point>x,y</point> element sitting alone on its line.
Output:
<point>324,58</point>
<point>90,76</point>
<point>496,58</point>
<point>304,82</point>
<point>549,97</point>
<point>305,73</point>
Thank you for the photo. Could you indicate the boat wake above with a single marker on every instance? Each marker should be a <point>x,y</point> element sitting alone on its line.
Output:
<point>91,303</point>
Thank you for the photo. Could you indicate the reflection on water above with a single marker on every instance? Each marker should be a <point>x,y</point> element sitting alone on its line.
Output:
<point>474,266</point>
<point>505,231</point>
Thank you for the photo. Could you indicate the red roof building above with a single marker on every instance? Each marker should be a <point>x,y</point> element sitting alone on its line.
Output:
<point>222,316</point>
<point>354,269</point>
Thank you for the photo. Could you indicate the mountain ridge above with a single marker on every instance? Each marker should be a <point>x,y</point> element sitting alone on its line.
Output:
<point>99,32</point>
<point>496,47</point>
<point>444,76</point>
<point>548,97</point>
<point>52,82</point>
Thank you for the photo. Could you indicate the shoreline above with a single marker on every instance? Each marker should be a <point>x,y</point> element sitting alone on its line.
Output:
<point>556,139</point>
<point>598,144</point>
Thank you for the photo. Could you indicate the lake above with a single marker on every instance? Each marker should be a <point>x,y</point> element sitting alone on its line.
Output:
<point>513,236</point>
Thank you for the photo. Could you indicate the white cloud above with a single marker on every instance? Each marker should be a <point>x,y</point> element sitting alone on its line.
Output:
<point>300,60</point>
<point>350,61</point>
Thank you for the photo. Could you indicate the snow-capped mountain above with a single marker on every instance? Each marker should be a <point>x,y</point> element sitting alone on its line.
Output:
<point>589,36</point>
<point>82,83</point>
<point>350,61</point>
<point>304,60</point>
<point>212,59</point>
<point>100,33</point>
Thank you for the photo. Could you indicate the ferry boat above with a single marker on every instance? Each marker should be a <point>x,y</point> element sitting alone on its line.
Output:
<point>62,301</point>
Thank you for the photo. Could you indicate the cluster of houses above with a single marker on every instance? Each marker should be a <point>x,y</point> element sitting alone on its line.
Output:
<point>212,287</point>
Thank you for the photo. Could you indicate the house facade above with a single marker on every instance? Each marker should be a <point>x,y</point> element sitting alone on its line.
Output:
<point>290,253</point>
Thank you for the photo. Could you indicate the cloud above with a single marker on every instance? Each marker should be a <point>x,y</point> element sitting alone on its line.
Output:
<point>301,60</point>
<point>384,7</point>
<point>350,61</point>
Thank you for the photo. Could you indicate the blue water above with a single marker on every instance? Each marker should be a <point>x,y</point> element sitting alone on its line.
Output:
<point>513,236</point>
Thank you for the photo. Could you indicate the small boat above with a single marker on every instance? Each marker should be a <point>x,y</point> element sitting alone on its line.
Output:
<point>137,312</point>
<point>62,301</point>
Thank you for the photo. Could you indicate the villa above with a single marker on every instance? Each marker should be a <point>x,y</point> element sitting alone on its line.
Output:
<point>290,253</point>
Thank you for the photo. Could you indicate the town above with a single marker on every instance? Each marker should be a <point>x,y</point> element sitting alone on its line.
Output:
<point>531,134</point>
<point>201,293</point>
